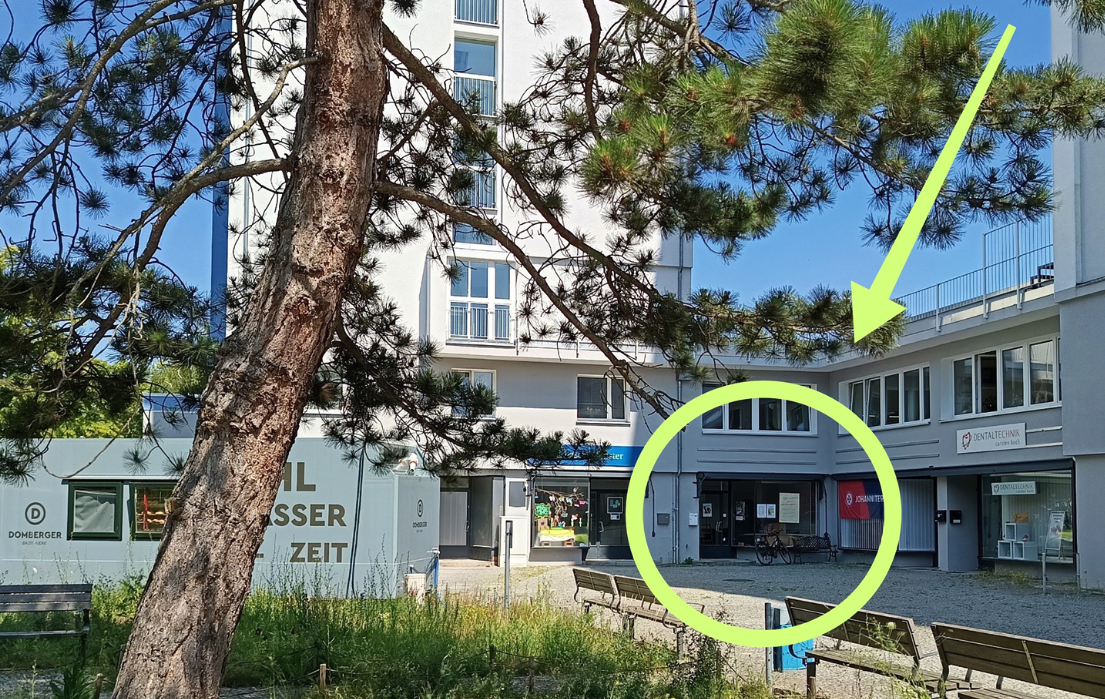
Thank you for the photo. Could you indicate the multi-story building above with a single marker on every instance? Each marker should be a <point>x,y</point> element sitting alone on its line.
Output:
<point>999,448</point>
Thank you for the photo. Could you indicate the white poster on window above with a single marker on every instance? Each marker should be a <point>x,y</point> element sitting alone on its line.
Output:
<point>790,512</point>
<point>993,438</point>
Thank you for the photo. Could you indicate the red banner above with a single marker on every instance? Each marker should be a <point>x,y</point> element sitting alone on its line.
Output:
<point>860,499</point>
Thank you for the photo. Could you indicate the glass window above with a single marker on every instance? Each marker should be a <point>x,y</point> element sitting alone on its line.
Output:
<point>1027,515</point>
<point>460,281</point>
<point>986,371</point>
<point>1042,359</point>
<point>561,512</point>
<point>874,407</point>
<point>95,511</point>
<point>478,275</point>
<point>150,509</point>
<point>600,398</point>
<point>1012,377</point>
<point>589,398</point>
<point>962,386</point>
<point>712,419</point>
<point>911,395</point>
<point>740,415</point>
<point>855,398</point>
<point>485,379</point>
<point>893,400</point>
<point>771,414</point>
<point>474,57</point>
<point>463,233</point>
<point>798,417</point>
<point>502,281</point>
<point>928,412</point>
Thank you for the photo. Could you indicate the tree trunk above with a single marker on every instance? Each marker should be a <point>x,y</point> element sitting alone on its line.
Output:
<point>251,409</point>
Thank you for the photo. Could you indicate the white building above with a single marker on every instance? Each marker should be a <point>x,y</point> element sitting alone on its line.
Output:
<point>987,444</point>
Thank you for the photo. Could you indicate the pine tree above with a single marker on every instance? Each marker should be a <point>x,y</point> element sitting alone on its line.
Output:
<point>713,125</point>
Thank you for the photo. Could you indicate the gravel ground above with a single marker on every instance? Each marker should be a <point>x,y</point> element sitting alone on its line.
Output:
<point>738,591</point>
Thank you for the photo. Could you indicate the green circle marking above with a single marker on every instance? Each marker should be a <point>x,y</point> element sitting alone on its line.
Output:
<point>757,638</point>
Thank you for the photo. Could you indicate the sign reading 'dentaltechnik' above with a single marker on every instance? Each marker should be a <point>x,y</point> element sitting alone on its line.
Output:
<point>993,438</point>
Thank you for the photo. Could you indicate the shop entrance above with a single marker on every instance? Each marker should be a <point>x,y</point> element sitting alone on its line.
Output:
<point>732,513</point>
<point>609,539</point>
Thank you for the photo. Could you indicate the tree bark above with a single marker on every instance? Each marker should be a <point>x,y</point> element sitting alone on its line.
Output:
<point>251,409</point>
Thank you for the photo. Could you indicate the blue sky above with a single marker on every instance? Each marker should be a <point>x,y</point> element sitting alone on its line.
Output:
<point>824,249</point>
<point>827,249</point>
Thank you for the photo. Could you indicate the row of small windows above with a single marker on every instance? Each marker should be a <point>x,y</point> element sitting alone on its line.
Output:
<point>896,398</point>
<point>96,510</point>
<point>1007,378</point>
<point>758,415</point>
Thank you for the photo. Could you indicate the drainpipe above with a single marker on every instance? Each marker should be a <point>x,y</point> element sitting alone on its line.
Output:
<point>676,510</point>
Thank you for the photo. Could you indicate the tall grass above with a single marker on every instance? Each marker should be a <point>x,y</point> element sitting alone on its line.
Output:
<point>392,648</point>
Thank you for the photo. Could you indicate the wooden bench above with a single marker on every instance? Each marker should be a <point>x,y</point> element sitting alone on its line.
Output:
<point>49,598</point>
<point>812,544</point>
<point>646,606</point>
<point>895,635</point>
<point>594,581</point>
<point>1048,664</point>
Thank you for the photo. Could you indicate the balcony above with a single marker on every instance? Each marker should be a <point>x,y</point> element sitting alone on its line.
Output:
<point>1015,258</point>
<point>482,192</point>
<point>481,90</point>
<point>478,11</point>
<point>479,322</point>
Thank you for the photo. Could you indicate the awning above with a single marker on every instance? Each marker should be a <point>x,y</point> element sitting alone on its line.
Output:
<point>758,476</point>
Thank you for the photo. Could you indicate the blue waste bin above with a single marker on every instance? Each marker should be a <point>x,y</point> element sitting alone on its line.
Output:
<point>794,657</point>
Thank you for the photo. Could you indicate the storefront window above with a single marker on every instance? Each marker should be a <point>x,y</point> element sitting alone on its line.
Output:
<point>1025,515</point>
<point>150,509</point>
<point>95,510</point>
<point>561,512</point>
<point>733,513</point>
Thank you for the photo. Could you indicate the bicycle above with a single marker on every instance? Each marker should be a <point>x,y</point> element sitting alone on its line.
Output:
<point>767,551</point>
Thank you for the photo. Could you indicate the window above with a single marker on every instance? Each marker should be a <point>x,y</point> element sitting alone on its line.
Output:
<point>470,377</point>
<point>463,233</point>
<point>600,398</point>
<point>900,398</point>
<point>1028,515</point>
<point>150,508</point>
<point>1001,379</point>
<point>758,414</point>
<point>474,83</point>
<point>96,511</point>
<point>473,315</point>
<point>561,512</point>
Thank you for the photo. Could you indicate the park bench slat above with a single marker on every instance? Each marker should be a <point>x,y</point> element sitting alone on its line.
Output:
<point>43,589</point>
<point>47,597</point>
<point>872,629</point>
<point>50,606</point>
<point>993,694</point>
<point>41,634</point>
<point>1075,669</point>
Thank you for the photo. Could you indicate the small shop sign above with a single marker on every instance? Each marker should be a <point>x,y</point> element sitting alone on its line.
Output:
<point>993,438</point>
<point>1013,488</point>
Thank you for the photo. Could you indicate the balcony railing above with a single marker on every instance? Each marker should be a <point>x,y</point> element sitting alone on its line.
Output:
<point>479,11</point>
<point>1015,257</point>
<point>482,90</point>
<point>477,321</point>
<point>482,192</point>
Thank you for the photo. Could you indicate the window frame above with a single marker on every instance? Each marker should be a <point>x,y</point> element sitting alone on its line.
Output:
<point>1026,379</point>
<point>609,408</point>
<point>492,303</point>
<point>120,504</point>
<point>755,410</point>
<point>923,370</point>
<point>471,377</point>
<point>136,535</point>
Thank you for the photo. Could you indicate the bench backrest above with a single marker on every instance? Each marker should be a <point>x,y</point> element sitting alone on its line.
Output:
<point>1046,663</point>
<point>882,631</point>
<point>45,598</point>
<point>593,580</point>
<point>635,588</point>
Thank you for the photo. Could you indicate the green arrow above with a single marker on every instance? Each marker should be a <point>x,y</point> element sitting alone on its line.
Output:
<point>872,308</point>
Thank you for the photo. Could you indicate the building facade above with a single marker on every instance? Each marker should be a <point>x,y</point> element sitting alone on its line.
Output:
<point>990,408</point>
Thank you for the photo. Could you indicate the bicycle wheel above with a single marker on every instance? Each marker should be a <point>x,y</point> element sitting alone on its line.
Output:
<point>784,553</point>
<point>764,553</point>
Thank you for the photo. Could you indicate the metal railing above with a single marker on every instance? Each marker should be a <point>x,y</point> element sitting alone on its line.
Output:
<point>476,321</point>
<point>479,11</point>
<point>482,193</point>
<point>1015,257</point>
<point>481,90</point>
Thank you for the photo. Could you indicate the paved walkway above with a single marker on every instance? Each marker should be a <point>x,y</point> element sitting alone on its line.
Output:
<point>738,591</point>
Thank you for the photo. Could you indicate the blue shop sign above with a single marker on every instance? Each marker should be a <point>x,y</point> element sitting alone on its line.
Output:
<point>625,457</point>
